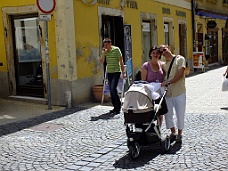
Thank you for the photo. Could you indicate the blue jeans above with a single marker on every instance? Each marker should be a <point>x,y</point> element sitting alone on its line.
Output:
<point>113,79</point>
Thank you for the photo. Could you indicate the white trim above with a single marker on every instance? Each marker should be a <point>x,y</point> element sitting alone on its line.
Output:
<point>178,3</point>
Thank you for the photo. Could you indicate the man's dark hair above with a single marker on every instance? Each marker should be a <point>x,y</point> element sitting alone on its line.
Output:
<point>107,40</point>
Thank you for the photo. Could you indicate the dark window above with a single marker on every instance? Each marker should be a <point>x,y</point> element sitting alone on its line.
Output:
<point>225,1</point>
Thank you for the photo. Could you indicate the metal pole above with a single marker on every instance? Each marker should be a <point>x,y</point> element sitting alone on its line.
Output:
<point>47,69</point>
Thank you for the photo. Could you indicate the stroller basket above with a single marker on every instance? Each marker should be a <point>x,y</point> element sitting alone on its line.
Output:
<point>138,118</point>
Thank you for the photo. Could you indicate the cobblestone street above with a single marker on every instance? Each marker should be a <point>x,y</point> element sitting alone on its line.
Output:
<point>87,138</point>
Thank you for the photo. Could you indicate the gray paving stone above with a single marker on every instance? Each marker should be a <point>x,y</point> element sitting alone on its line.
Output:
<point>86,144</point>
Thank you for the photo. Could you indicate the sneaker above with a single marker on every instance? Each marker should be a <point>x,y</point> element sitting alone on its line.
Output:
<point>179,138</point>
<point>112,111</point>
<point>172,137</point>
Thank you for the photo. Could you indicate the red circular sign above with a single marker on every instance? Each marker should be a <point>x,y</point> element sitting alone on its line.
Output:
<point>46,6</point>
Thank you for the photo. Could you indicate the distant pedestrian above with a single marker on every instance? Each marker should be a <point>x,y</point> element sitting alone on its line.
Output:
<point>225,74</point>
<point>115,66</point>
<point>176,94</point>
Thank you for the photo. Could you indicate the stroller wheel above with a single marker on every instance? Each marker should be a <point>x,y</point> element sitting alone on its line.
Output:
<point>134,150</point>
<point>165,144</point>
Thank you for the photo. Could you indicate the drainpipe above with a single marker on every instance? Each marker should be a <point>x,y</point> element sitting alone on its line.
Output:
<point>193,4</point>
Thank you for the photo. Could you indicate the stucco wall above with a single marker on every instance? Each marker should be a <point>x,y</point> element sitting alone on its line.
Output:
<point>74,37</point>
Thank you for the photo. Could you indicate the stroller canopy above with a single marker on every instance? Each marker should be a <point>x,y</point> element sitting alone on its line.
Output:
<point>139,98</point>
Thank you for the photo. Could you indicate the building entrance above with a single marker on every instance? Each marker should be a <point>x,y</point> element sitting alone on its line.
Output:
<point>27,56</point>
<point>182,40</point>
<point>213,35</point>
<point>112,27</point>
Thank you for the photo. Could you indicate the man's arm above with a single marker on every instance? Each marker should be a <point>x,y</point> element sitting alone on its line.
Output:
<point>102,58</point>
<point>181,71</point>
<point>179,76</point>
<point>121,63</point>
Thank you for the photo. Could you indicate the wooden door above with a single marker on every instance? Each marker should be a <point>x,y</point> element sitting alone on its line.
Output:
<point>213,34</point>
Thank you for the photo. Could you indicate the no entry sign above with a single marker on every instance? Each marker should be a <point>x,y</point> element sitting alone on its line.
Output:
<point>46,6</point>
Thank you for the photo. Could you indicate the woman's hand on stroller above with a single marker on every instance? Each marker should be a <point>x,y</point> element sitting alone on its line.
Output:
<point>165,84</point>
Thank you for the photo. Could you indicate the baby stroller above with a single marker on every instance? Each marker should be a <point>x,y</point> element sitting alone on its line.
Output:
<point>140,116</point>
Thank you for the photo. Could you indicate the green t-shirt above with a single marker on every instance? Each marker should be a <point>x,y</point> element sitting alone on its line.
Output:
<point>112,59</point>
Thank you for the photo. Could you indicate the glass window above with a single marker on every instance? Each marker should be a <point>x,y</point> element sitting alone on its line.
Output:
<point>146,28</point>
<point>27,51</point>
<point>166,32</point>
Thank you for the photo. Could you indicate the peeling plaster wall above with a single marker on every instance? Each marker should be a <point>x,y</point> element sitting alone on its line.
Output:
<point>81,90</point>
<point>65,40</point>
<point>89,56</point>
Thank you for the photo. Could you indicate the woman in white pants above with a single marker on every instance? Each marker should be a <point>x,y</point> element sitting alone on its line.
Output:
<point>176,94</point>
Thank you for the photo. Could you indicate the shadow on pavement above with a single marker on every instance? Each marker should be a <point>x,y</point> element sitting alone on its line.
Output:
<point>20,125</point>
<point>174,148</point>
<point>147,154</point>
<point>104,116</point>
<point>224,108</point>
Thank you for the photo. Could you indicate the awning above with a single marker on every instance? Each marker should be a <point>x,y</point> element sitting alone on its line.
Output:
<point>201,12</point>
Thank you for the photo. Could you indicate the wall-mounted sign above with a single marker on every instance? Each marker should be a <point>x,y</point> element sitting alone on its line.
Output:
<point>145,27</point>
<point>45,17</point>
<point>166,28</point>
<point>211,24</point>
<point>132,4</point>
<point>46,6</point>
<point>180,13</point>
<point>166,11</point>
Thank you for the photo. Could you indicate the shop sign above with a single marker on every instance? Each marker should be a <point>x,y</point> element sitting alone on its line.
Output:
<point>128,49</point>
<point>45,17</point>
<point>166,11</point>
<point>198,59</point>
<point>106,2</point>
<point>181,13</point>
<point>211,24</point>
<point>132,4</point>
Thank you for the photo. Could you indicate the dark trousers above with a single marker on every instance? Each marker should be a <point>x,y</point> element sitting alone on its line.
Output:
<point>113,79</point>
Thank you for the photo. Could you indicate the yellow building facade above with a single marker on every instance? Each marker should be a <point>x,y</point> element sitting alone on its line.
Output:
<point>212,30</point>
<point>74,38</point>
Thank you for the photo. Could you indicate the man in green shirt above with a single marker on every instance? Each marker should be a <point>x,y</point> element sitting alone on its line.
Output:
<point>115,66</point>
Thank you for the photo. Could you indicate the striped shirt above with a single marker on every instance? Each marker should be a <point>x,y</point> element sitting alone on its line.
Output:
<point>112,59</point>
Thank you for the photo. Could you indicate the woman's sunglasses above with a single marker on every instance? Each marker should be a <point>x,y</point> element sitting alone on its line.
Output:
<point>163,50</point>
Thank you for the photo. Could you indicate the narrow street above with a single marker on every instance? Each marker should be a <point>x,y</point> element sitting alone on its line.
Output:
<point>87,138</point>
